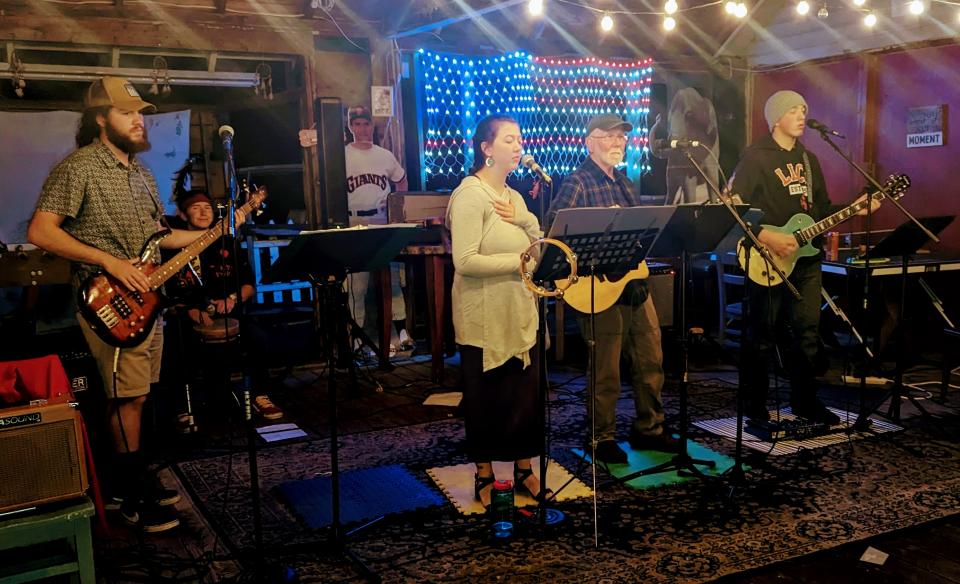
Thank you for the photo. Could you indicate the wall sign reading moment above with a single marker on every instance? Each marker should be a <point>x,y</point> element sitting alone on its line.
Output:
<point>925,126</point>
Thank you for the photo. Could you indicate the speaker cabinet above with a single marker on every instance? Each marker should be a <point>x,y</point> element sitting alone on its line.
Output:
<point>41,456</point>
<point>660,286</point>
<point>330,207</point>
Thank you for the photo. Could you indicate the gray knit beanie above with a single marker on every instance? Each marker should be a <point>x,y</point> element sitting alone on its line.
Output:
<point>780,103</point>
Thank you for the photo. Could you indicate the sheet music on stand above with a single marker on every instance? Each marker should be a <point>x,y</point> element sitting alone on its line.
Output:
<point>609,240</point>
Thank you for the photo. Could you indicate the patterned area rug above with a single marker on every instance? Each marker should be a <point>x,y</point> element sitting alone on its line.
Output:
<point>696,531</point>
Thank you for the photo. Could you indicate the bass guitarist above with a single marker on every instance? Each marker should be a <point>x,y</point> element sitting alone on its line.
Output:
<point>781,177</point>
<point>98,208</point>
<point>630,327</point>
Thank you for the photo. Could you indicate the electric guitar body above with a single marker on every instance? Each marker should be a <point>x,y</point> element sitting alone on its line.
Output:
<point>805,228</point>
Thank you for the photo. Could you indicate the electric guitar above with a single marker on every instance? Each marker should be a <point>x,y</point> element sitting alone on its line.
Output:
<point>122,317</point>
<point>805,229</point>
<point>605,291</point>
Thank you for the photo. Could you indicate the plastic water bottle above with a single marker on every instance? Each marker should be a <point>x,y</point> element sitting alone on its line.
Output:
<point>501,509</point>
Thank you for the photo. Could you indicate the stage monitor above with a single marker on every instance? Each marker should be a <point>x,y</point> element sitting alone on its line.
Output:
<point>330,208</point>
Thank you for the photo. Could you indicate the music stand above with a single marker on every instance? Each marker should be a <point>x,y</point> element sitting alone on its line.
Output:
<point>325,257</point>
<point>904,242</point>
<point>693,229</point>
<point>609,242</point>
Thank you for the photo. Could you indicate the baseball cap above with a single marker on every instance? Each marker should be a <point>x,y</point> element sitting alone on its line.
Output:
<point>607,122</point>
<point>116,92</point>
<point>358,111</point>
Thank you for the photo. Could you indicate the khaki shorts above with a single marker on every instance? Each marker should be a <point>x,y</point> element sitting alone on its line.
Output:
<point>137,367</point>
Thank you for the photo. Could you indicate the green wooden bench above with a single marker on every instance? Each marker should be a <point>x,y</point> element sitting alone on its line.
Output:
<point>33,536</point>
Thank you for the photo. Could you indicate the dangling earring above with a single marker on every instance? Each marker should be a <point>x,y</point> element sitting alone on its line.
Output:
<point>488,162</point>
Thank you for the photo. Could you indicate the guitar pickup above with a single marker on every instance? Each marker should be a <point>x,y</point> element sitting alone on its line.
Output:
<point>120,305</point>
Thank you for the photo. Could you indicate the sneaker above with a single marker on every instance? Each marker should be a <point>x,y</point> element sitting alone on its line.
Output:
<point>662,442</point>
<point>406,343</point>
<point>608,452</point>
<point>149,518</point>
<point>158,496</point>
<point>814,410</point>
<point>266,409</point>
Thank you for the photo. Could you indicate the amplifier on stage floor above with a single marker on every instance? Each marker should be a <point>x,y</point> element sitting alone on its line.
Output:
<point>41,455</point>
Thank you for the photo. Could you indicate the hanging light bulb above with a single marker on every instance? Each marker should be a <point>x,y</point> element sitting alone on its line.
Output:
<point>859,2</point>
<point>535,7</point>
<point>670,7</point>
<point>870,20</point>
<point>823,12</point>
<point>606,23</point>
<point>730,7</point>
<point>741,10</point>
<point>803,7</point>
<point>917,7</point>
<point>669,23</point>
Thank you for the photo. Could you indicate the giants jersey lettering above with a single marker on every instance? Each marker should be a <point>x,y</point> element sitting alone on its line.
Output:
<point>379,180</point>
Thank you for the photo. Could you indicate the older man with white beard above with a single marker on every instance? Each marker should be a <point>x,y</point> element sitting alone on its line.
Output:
<point>630,327</point>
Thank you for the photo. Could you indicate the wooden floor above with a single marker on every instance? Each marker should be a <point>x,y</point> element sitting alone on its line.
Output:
<point>920,554</point>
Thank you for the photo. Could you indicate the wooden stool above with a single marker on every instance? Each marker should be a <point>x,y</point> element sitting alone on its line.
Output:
<point>70,522</point>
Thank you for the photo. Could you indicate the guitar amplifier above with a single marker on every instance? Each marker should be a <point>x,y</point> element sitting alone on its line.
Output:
<point>41,455</point>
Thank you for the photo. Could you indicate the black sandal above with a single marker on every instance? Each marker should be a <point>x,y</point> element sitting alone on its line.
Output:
<point>479,484</point>
<point>520,475</point>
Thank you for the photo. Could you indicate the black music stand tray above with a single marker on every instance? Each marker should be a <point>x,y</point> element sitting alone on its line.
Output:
<point>325,258</point>
<point>693,229</point>
<point>609,242</point>
<point>904,242</point>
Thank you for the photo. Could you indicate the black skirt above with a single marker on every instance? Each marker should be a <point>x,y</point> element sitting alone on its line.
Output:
<point>501,408</point>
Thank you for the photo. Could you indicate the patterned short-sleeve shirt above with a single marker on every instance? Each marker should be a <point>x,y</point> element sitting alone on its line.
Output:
<point>108,205</point>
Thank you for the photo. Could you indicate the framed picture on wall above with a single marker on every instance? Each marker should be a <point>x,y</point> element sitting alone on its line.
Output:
<point>381,96</point>
<point>926,126</point>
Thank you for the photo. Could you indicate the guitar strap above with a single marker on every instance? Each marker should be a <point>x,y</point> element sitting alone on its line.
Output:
<point>808,176</point>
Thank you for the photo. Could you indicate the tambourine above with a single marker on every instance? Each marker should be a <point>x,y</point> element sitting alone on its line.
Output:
<point>527,275</point>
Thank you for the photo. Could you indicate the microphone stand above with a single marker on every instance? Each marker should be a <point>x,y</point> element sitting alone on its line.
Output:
<point>863,419</point>
<point>230,175</point>
<point>736,472</point>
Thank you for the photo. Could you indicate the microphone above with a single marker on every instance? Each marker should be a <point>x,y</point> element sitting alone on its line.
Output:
<point>527,161</point>
<point>675,144</point>
<point>815,125</point>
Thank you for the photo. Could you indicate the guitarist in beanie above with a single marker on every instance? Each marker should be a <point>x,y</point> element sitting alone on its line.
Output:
<point>781,177</point>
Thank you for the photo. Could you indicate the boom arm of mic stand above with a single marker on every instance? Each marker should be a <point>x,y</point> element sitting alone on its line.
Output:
<point>746,229</point>
<point>873,182</point>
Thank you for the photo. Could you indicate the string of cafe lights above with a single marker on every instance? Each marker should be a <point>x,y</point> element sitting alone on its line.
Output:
<point>735,8</point>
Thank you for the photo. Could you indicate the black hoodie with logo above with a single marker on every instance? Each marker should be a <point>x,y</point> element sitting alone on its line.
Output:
<point>775,181</point>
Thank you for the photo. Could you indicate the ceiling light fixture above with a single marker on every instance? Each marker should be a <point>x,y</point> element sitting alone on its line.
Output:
<point>870,20</point>
<point>917,7</point>
<point>803,7</point>
<point>606,23</point>
<point>823,13</point>
<point>741,10</point>
<point>669,23</point>
<point>535,7</point>
<point>671,7</point>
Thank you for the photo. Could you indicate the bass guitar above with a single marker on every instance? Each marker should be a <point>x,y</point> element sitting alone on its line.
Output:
<point>122,317</point>
<point>805,229</point>
<point>605,291</point>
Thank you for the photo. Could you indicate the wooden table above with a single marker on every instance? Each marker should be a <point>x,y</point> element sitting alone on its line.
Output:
<point>436,258</point>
